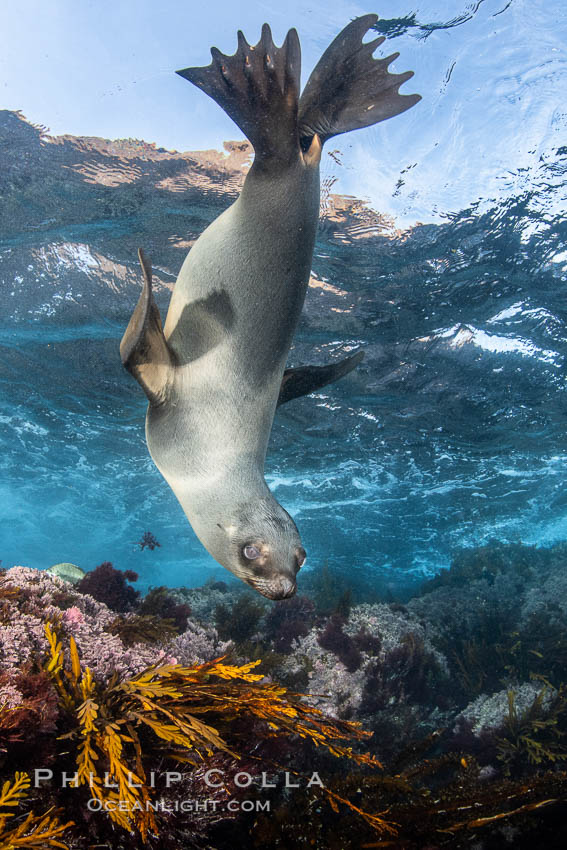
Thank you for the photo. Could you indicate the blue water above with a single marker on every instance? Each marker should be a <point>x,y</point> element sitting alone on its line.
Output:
<point>451,433</point>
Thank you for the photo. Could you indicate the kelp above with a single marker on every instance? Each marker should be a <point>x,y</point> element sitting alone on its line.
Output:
<point>533,737</point>
<point>143,628</point>
<point>240,621</point>
<point>159,603</point>
<point>436,802</point>
<point>187,713</point>
<point>35,831</point>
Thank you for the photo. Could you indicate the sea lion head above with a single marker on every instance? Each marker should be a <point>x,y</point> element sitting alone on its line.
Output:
<point>262,547</point>
<point>231,510</point>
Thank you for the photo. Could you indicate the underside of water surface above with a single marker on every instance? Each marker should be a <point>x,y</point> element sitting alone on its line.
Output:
<point>450,433</point>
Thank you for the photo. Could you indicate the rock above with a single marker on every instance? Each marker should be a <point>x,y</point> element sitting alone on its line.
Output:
<point>67,572</point>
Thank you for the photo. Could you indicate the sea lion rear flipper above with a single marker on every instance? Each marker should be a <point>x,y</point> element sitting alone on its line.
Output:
<point>303,380</point>
<point>350,89</point>
<point>143,349</point>
<point>258,87</point>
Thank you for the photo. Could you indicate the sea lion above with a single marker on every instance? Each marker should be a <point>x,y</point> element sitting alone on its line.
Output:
<point>215,374</point>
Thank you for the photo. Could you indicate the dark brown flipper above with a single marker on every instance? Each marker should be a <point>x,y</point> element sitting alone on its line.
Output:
<point>259,88</point>
<point>307,379</point>
<point>349,89</point>
<point>143,349</point>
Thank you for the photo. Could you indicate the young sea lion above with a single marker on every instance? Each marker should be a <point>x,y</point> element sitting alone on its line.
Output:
<point>216,372</point>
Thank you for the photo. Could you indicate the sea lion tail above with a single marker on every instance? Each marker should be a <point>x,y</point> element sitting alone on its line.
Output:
<point>258,87</point>
<point>349,89</point>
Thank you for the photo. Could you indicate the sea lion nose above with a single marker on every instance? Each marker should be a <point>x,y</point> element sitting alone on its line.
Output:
<point>285,588</point>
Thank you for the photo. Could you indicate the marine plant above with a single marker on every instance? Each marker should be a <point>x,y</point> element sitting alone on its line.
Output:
<point>335,639</point>
<point>487,562</point>
<point>335,591</point>
<point>496,647</point>
<point>64,599</point>
<point>533,736</point>
<point>108,585</point>
<point>414,669</point>
<point>142,628</point>
<point>28,710</point>
<point>326,586</point>
<point>482,651</point>
<point>185,713</point>
<point>367,642</point>
<point>437,798</point>
<point>289,620</point>
<point>344,604</point>
<point>539,647</point>
<point>240,621</point>
<point>34,831</point>
<point>160,603</point>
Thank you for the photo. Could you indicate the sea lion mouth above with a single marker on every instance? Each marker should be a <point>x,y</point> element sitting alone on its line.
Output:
<point>278,589</point>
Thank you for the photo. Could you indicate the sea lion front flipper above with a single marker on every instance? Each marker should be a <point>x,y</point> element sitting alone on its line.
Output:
<point>143,349</point>
<point>303,380</point>
<point>349,89</point>
<point>258,87</point>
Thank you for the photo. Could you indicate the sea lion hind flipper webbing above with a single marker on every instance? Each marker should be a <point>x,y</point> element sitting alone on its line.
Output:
<point>143,349</point>
<point>258,87</point>
<point>303,380</point>
<point>349,89</point>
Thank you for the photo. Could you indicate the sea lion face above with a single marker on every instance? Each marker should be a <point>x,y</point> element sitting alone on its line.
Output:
<point>263,548</point>
<point>263,568</point>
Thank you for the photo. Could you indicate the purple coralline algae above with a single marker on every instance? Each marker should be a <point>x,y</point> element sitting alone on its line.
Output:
<point>38,597</point>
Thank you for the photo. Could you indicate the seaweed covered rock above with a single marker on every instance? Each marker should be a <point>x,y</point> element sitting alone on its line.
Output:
<point>159,602</point>
<point>29,597</point>
<point>499,615</point>
<point>335,640</point>
<point>288,620</point>
<point>490,713</point>
<point>204,600</point>
<point>120,727</point>
<point>239,621</point>
<point>198,644</point>
<point>378,665</point>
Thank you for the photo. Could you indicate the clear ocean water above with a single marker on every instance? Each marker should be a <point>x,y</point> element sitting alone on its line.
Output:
<point>441,250</point>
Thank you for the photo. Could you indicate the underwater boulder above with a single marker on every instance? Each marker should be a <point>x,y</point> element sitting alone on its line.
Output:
<point>68,572</point>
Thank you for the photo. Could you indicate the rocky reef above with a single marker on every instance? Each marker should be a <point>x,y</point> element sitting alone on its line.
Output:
<point>448,713</point>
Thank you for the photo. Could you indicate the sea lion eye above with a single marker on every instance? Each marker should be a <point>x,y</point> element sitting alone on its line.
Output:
<point>251,552</point>
<point>301,556</point>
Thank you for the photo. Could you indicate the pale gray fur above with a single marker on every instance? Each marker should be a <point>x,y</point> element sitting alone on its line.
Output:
<point>210,440</point>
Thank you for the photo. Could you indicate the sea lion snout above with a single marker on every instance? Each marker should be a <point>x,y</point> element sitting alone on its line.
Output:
<point>283,588</point>
<point>276,587</point>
